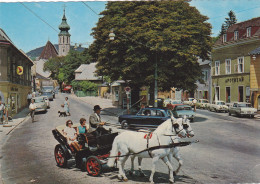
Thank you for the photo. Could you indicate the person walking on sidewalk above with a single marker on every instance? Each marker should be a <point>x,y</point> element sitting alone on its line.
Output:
<point>32,108</point>
<point>194,101</point>
<point>67,106</point>
<point>2,108</point>
<point>29,98</point>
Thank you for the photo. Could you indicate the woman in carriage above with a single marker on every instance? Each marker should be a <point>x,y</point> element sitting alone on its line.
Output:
<point>71,135</point>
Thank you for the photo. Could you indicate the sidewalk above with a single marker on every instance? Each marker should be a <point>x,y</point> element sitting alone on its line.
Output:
<point>105,104</point>
<point>6,129</point>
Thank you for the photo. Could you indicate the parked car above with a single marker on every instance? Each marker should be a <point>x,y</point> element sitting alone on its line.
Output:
<point>146,117</point>
<point>218,106</point>
<point>242,109</point>
<point>40,104</point>
<point>188,102</point>
<point>176,103</point>
<point>46,99</point>
<point>184,110</point>
<point>48,94</point>
<point>202,104</point>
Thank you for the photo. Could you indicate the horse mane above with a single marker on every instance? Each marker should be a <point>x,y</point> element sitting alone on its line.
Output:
<point>164,127</point>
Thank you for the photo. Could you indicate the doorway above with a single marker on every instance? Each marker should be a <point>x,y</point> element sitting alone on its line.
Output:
<point>228,94</point>
<point>258,100</point>
<point>240,94</point>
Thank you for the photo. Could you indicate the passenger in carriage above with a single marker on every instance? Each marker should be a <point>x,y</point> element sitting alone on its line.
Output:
<point>71,135</point>
<point>82,129</point>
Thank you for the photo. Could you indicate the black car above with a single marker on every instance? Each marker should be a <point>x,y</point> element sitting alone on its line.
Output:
<point>146,117</point>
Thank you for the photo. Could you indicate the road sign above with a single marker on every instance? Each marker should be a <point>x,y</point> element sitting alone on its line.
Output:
<point>127,90</point>
<point>19,70</point>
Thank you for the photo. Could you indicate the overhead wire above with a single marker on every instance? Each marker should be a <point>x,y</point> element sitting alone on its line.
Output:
<point>39,17</point>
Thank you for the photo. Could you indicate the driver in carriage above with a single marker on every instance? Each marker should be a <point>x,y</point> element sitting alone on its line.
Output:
<point>96,126</point>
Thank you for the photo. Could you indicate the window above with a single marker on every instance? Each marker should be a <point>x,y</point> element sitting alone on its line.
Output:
<point>240,65</point>
<point>235,35</point>
<point>240,93</point>
<point>224,38</point>
<point>228,66</point>
<point>217,93</point>
<point>205,75</point>
<point>228,94</point>
<point>217,67</point>
<point>248,32</point>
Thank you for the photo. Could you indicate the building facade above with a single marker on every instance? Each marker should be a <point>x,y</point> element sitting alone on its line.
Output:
<point>203,90</point>
<point>231,62</point>
<point>255,78</point>
<point>64,37</point>
<point>14,84</point>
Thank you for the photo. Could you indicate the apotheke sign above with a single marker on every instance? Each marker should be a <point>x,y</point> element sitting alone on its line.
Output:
<point>236,79</point>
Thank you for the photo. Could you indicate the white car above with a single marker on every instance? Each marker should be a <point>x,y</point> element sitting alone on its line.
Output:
<point>202,103</point>
<point>189,101</point>
<point>242,109</point>
<point>46,99</point>
<point>218,106</point>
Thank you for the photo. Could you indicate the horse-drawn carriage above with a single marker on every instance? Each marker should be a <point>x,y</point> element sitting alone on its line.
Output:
<point>89,158</point>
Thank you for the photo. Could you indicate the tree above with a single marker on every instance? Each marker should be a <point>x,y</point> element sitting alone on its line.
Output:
<point>172,33</point>
<point>228,22</point>
<point>53,65</point>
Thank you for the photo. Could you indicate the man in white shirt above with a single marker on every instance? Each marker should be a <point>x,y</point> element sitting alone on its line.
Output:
<point>29,97</point>
<point>32,108</point>
<point>194,101</point>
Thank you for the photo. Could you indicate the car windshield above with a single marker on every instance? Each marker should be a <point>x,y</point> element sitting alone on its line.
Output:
<point>220,103</point>
<point>244,105</point>
<point>179,108</point>
<point>176,102</point>
<point>204,101</point>
<point>38,100</point>
<point>190,99</point>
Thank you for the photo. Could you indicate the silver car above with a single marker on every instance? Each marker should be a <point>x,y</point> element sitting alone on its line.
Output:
<point>40,104</point>
<point>242,109</point>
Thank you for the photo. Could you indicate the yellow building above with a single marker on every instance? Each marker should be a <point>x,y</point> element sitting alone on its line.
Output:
<point>15,75</point>
<point>255,78</point>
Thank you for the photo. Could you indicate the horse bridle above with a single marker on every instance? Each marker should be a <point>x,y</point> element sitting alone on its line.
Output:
<point>175,125</point>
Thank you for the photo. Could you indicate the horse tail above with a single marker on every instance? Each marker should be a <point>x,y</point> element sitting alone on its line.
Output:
<point>113,154</point>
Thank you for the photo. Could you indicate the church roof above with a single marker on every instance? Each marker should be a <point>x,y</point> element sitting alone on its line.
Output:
<point>49,51</point>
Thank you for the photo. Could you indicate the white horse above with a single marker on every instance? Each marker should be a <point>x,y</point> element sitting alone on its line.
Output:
<point>129,142</point>
<point>174,153</point>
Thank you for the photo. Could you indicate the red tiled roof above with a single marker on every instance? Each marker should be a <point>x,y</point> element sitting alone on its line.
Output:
<point>241,28</point>
<point>49,51</point>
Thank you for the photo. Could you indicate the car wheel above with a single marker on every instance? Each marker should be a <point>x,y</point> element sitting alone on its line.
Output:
<point>192,120</point>
<point>229,113</point>
<point>124,125</point>
<point>252,116</point>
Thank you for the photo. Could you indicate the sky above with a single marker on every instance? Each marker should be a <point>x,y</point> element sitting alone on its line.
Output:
<point>28,32</point>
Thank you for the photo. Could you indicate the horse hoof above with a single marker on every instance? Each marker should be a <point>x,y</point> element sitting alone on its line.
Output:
<point>174,173</point>
<point>125,180</point>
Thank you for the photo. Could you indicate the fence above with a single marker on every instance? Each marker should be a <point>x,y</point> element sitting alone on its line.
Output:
<point>87,93</point>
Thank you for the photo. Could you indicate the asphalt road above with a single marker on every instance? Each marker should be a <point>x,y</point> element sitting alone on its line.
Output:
<point>228,151</point>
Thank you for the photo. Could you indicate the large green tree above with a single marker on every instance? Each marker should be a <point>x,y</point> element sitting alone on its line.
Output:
<point>172,33</point>
<point>53,65</point>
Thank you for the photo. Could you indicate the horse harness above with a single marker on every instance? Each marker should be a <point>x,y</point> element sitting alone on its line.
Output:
<point>149,136</point>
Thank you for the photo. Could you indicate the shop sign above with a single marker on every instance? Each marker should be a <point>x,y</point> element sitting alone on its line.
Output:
<point>143,93</point>
<point>19,70</point>
<point>234,80</point>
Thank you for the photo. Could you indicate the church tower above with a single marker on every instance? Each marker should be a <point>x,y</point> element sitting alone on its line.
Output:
<point>64,37</point>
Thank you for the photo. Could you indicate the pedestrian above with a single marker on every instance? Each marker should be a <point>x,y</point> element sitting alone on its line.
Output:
<point>194,101</point>
<point>29,97</point>
<point>2,108</point>
<point>32,108</point>
<point>67,106</point>
<point>95,122</point>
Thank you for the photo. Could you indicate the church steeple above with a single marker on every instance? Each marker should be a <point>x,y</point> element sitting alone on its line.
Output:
<point>64,36</point>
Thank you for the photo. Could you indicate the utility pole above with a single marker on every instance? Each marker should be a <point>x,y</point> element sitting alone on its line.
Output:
<point>155,84</point>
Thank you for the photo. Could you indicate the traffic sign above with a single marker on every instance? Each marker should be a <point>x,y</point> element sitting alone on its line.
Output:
<point>127,90</point>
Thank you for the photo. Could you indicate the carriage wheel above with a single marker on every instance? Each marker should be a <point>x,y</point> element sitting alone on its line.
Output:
<point>60,156</point>
<point>93,166</point>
